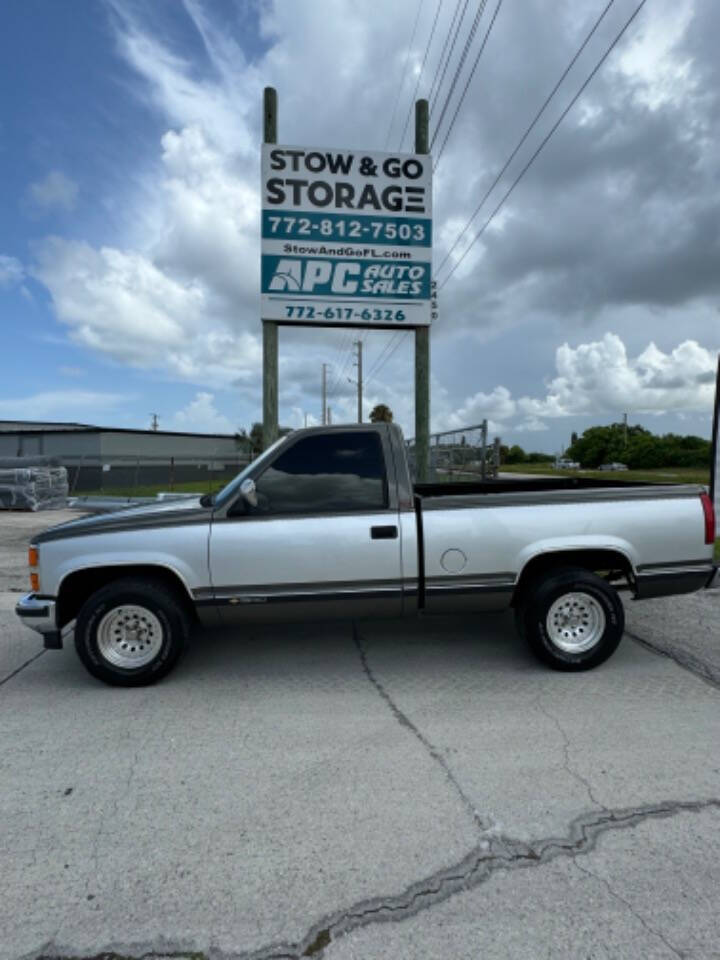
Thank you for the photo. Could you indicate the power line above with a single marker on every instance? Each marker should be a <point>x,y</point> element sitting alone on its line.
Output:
<point>379,367</point>
<point>444,48</point>
<point>552,130</point>
<point>346,351</point>
<point>458,69</point>
<point>377,362</point>
<point>419,76</point>
<point>450,53</point>
<point>527,133</point>
<point>467,82</point>
<point>402,82</point>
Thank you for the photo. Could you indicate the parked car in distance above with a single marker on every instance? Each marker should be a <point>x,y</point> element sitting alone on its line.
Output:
<point>563,464</point>
<point>613,466</point>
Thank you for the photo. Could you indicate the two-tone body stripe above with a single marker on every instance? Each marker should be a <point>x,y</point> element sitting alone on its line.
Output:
<point>471,583</point>
<point>356,590</point>
<point>291,592</point>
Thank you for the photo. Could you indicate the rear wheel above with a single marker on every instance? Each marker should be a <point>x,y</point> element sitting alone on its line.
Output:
<point>572,619</point>
<point>131,633</point>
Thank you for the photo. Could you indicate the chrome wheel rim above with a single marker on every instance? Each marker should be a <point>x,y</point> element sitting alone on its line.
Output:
<point>575,622</point>
<point>129,636</point>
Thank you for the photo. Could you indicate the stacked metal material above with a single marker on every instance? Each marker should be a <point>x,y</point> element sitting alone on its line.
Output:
<point>32,483</point>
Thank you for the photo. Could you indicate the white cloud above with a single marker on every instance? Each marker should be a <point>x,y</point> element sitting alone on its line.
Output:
<point>84,405</point>
<point>56,191</point>
<point>181,295</point>
<point>596,379</point>
<point>651,57</point>
<point>121,304</point>
<point>11,271</point>
<point>202,416</point>
<point>600,378</point>
<point>498,406</point>
<point>531,425</point>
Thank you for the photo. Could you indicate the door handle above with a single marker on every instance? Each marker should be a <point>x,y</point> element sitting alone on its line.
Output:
<point>389,532</point>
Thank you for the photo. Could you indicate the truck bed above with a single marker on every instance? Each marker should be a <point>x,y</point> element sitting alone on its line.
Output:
<point>474,487</point>
<point>549,490</point>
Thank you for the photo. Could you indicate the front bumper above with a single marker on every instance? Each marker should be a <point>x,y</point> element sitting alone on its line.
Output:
<point>38,612</point>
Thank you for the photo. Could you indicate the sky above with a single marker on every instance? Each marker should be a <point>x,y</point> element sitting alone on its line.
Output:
<point>130,209</point>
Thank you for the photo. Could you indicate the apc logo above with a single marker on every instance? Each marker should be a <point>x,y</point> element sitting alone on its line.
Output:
<point>308,275</point>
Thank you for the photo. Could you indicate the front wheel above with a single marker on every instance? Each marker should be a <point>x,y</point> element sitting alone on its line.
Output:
<point>572,619</point>
<point>131,632</point>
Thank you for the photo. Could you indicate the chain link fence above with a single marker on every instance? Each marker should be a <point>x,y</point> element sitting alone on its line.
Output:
<point>131,476</point>
<point>463,455</point>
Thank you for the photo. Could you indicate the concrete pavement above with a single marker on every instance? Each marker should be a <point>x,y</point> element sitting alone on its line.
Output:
<point>419,790</point>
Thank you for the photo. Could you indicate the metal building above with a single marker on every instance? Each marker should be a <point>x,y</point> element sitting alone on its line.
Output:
<point>103,457</point>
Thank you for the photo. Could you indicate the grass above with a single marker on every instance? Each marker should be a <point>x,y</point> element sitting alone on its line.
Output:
<point>151,489</point>
<point>655,475</point>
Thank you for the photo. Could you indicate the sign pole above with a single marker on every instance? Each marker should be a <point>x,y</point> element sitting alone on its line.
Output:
<point>270,329</point>
<point>422,336</point>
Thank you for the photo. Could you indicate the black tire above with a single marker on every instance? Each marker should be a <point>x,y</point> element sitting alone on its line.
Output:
<point>533,611</point>
<point>168,631</point>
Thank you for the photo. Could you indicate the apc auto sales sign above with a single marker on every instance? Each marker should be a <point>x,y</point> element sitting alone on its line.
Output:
<point>346,237</point>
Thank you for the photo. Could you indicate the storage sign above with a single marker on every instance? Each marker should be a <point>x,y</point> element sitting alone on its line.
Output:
<point>346,237</point>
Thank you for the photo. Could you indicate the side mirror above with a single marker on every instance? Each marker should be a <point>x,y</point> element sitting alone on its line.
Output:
<point>247,489</point>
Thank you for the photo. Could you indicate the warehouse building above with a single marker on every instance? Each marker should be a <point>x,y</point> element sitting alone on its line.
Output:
<point>100,458</point>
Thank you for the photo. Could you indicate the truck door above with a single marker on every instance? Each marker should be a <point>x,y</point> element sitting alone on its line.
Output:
<point>323,540</point>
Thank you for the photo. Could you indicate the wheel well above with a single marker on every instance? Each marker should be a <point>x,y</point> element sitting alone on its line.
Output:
<point>610,564</point>
<point>78,586</point>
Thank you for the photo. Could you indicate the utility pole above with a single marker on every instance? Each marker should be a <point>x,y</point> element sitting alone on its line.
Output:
<point>306,419</point>
<point>154,424</point>
<point>324,394</point>
<point>422,334</point>
<point>358,344</point>
<point>329,416</point>
<point>483,464</point>
<point>270,329</point>
<point>625,428</point>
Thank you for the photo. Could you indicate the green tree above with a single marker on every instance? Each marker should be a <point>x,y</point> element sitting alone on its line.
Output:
<point>515,454</point>
<point>242,440</point>
<point>536,457</point>
<point>255,437</point>
<point>644,450</point>
<point>381,413</point>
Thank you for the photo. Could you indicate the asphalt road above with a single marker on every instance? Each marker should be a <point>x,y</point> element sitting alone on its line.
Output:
<point>415,790</point>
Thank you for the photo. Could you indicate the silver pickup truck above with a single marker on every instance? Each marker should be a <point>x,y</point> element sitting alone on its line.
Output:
<point>327,523</point>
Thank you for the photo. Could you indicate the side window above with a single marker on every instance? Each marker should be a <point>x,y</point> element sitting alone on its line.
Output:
<point>324,474</point>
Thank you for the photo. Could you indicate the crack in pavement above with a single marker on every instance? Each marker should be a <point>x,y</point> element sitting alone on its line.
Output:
<point>682,658</point>
<point>430,748</point>
<point>501,853</point>
<point>566,750</point>
<point>616,896</point>
<point>22,667</point>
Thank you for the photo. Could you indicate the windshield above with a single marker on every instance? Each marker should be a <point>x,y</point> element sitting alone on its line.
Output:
<point>230,491</point>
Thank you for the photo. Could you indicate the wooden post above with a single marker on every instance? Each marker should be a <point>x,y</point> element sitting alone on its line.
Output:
<point>270,383</point>
<point>422,337</point>
<point>483,431</point>
<point>270,329</point>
